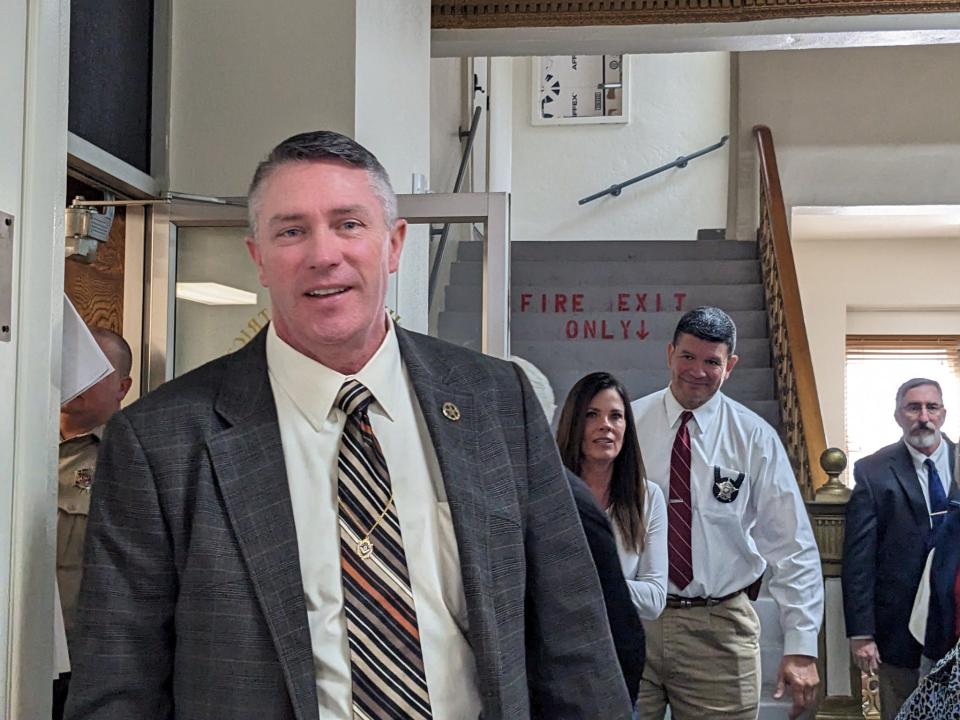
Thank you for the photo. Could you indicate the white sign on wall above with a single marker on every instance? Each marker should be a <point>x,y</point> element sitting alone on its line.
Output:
<point>578,89</point>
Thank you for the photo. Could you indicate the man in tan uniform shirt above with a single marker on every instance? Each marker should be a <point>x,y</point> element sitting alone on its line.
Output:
<point>81,424</point>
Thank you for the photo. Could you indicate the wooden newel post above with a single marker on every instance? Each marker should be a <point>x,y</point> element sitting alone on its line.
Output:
<point>833,461</point>
<point>841,697</point>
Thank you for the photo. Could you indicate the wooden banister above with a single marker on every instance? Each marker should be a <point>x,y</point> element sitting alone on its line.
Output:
<point>802,421</point>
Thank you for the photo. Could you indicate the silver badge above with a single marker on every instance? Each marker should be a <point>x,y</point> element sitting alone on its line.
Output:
<point>726,489</point>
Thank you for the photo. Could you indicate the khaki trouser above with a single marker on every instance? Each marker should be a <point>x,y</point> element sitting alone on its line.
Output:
<point>703,662</point>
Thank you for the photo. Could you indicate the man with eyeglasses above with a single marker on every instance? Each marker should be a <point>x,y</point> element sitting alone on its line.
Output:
<point>901,495</point>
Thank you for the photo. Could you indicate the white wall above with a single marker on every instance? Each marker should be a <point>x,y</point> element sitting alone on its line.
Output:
<point>33,147</point>
<point>912,282</point>
<point>447,116</point>
<point>858,126</point>
<point>392,119</point>
<point>11,173</point>
<point>245,75</point>
<point>679,104</point>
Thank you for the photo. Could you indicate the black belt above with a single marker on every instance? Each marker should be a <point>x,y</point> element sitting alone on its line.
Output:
<point>675,601</point>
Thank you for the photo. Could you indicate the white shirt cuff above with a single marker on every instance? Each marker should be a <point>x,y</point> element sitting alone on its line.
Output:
<point>798,642</point>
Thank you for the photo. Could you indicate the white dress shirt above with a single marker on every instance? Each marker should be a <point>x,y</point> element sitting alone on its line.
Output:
<point>941,460</point>
<point>646,572</point>
<point>310,429</point>
<point>764,527</point>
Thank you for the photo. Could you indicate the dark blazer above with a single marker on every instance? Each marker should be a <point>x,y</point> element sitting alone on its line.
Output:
<point>941,634</point>
<point>884,551</point>
<point>192,605</point>
<point>625,624</point>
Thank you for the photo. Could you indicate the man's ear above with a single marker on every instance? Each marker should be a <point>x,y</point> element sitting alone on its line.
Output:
<point>125,387</point>
<point>398,234</point>
<point>731,363</point>
<point>254,249</point>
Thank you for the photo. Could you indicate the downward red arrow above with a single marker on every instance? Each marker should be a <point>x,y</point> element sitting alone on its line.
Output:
<point>642,332</point>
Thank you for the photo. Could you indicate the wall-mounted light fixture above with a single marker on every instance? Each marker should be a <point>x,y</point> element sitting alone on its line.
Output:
<point>86,227</point>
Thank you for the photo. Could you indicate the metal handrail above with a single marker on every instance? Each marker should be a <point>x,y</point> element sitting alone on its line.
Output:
<point>438,258</point>
<point>680,162</point>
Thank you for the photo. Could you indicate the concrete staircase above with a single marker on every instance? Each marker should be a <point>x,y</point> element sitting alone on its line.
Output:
<point>577,307</point>
<point>619,325</point>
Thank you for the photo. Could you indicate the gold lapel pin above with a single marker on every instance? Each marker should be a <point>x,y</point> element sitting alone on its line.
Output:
<point>451,411</point>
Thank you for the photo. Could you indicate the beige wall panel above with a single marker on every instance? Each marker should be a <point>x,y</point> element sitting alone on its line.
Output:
<point>912,281</point>
<point>857,126</point>
<point>246,74</point>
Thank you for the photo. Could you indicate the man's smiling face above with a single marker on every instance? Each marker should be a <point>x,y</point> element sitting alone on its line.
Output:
<point>324,250</point>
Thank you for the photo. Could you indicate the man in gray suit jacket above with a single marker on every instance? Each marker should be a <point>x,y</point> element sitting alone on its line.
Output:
<point>342,519</point>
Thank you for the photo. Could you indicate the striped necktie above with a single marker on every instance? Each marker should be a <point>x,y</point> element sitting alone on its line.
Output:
<point>679,510</point>
<point>386,662</point>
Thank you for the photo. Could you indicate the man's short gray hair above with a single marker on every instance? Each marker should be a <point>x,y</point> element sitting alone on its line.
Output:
<point>323,145</point>
<point>708,323</point>
<point>914,383</point>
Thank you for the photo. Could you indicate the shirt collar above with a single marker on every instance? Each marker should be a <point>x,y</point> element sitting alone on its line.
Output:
<point>96,434</point>
<point>703,416</point>
<point>919,458</point>
<point>313,387</point>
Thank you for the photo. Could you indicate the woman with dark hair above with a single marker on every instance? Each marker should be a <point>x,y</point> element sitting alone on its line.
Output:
<point>598,442</point>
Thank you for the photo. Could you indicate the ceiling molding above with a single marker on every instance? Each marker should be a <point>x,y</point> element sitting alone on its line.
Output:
<point>466,15</point>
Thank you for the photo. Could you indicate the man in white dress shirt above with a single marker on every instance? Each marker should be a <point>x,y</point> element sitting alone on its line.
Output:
<point>734,511</point>
<point>343,519</point>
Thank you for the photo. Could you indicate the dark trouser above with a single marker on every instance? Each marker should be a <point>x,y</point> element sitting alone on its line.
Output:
<point>896,684</point>
<point>60,687</point>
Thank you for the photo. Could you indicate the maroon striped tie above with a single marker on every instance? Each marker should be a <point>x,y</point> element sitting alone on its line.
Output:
<point>386,661</point>
<point>679,511</point>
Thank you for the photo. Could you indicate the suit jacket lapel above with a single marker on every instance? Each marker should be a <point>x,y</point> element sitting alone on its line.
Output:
<point>954,494</point>
<point>248,464</point>
<point>902,467</point>
<point>456,443</point>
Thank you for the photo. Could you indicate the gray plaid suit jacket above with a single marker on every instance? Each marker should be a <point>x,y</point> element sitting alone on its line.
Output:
<point>192,604</point>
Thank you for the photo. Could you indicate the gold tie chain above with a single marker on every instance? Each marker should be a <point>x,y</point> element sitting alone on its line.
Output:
<point>365,546</point>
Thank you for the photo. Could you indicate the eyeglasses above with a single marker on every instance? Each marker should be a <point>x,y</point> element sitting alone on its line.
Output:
<point>917,408</point>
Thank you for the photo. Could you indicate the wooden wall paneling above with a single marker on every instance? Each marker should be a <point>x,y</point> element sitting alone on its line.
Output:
<point>96,290</point>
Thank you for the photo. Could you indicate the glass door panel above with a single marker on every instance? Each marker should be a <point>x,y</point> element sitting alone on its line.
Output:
<point>193,244</point>
<point>220,304</point>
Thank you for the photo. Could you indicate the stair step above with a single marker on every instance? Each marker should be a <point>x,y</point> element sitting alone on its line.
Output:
<point>623,276</point>
<point>627,250</point>
<point>753,352</point>
<point>599,297</point>
<point>630,343</point>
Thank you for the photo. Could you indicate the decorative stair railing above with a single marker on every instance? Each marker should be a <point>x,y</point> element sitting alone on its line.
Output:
<point>802,423</point>
<point>843,693</point>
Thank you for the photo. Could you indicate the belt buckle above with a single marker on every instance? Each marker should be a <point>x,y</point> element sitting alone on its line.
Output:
<point>686,603</point>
